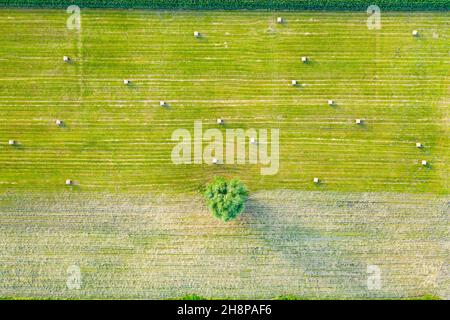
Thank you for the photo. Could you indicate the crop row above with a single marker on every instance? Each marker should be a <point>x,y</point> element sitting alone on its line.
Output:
<point>236,4</point>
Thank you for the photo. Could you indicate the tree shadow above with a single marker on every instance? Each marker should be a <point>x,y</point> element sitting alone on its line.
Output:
<point>323,260</point>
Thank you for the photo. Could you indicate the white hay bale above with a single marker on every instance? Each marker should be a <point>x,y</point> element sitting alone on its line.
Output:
<point>220,121</point>
<point>330,102</point>
<point>59,122</point>
<point>294,82</point>
<point>358,121</point>
<point>12,142</point>
<point>304,59</point>
<point>66,59</point>
<point>162,103</point>
<point>196,34</point>
<point>415,33</point>
<point>215,161</point>
<point>126,81</point>
<point>316,180</point>
<point>279,20</point>
<point>69,182</point>
<point>252,140</point>
<point>419,145</point>
<point>424,162</point>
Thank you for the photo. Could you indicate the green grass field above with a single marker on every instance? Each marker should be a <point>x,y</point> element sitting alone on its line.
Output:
<point>118,138</point>
<point>135,224</point>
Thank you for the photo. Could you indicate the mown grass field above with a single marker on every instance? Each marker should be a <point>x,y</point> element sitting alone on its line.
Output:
<point>118,138</point>
<point>306,244</point>
<point>134,224</point>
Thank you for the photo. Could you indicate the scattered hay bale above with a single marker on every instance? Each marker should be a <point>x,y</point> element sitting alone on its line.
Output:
<point>12,142</point>
<point>419,145</point>
<point>415,33</point>
<point>126,82</point>
<point>220,121</point>
<point>66,59</point>
<point>359,121</point>
<point>316,180</point>
<point>280,20</point>
<point>305,59</point>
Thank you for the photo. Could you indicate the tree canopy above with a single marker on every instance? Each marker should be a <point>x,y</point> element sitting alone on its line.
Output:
<point>226,199</point>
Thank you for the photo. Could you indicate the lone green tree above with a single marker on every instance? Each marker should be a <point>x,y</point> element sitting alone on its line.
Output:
<point>226,199</point>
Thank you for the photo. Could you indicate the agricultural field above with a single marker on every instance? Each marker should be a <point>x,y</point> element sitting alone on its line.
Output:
<point>134,222</point>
